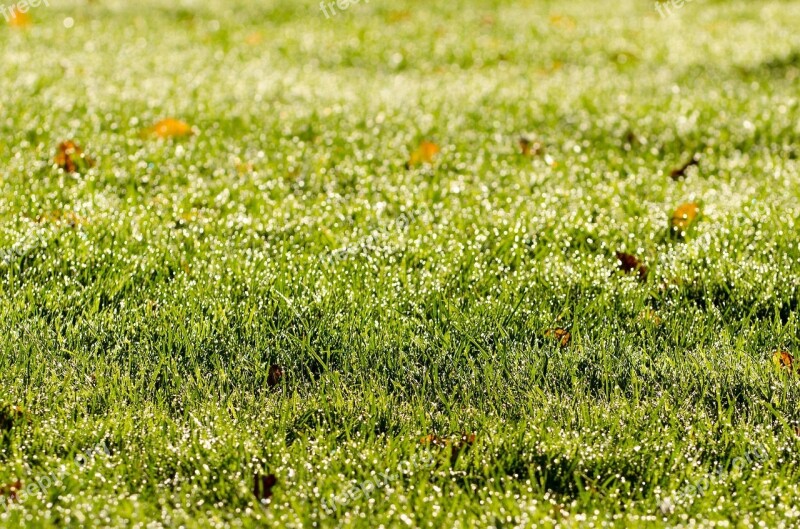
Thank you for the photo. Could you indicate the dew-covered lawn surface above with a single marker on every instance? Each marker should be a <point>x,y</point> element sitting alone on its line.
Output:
<point>350,295</point>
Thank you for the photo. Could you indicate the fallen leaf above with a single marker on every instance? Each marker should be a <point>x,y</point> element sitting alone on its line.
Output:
<point>680,172</point>
<point>632,139</point>
<point>649,315</point>
<point>245,167</point>
<point>262,486</point>
<point>59,217</point>
<point>434,440</point>
<point>275,375</point>
<point>563,22</point>
<point>19,19</point>
<point>559,511</point>
<point>459,445</point>
<point>529,146</point>
<point>552,68</point>
<point>630,263</point>
<point>10,490</point>
<point>784,361</point>
<point>398,16</point>
<point>10,416</point>
<point>467,439</point>
<point>170,128</point>
<point>425,153</point>
<point>559,334</point>
<point>70,157</point>
<point>456,445</point>
<point>254,39</point>
<point>683,217</point>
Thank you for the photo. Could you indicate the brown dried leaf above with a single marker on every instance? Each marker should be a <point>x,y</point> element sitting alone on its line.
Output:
<point>10,490</point>
<point>630,263</point>
<point>529,146</point>
<point>262,486</point>
<point>10,416</point>
<point>70,157</point>
<point>633,140</point>
<point>680,172</point>
<point>275,375</point>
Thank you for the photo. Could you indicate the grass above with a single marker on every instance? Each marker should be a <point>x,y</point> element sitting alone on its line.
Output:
<point>145,297</point>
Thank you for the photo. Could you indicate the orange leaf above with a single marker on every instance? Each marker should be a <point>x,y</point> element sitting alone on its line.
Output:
<point>684,217</point>
<point>783,361</point>
<point>170,128</point>
<point>425,153</point>
<point>19,19</point>
<point>559,334</point>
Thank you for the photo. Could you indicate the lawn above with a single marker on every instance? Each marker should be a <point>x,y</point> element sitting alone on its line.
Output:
<point>454,263</point>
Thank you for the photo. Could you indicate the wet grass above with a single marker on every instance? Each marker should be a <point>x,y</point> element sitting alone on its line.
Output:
<point>145,297</point>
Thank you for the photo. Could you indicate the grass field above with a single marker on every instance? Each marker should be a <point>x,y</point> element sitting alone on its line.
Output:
<point>452,263</point>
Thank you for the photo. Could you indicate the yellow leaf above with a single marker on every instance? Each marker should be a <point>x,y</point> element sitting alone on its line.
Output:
<point>170,128</point>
